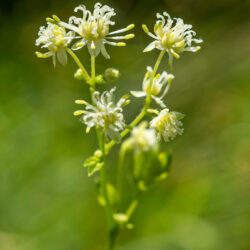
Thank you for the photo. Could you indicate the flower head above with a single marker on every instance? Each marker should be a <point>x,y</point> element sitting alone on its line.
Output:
<point>159,87</point>
<point>55,39</point>
<point>104,114</point>
<point>143,138</point>
<point>172,35</point>
<point>168,124</point>
<point>93,29</point>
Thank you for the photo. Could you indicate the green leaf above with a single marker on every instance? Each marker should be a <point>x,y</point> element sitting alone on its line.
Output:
<point>94,163</point>
<point>94,168</point>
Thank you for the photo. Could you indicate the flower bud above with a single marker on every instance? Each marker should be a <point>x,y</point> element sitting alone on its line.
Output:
<point>111,74</point>
<point>79,74</point>
<point>99,79</point>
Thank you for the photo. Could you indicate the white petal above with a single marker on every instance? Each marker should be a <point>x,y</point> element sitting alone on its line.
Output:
<point>138,93</point>
<point>198,40</point>
<point>159,101</point>
<point>62,57</point>
<point>96,51</point>
<point>78,45</point>
<point>44,55</point>
<point>54,59</point>
<point>192,49</point>
<point>150,47</point>
<point>114,135</point>
<point>69,26</point>
<point>104,52</point>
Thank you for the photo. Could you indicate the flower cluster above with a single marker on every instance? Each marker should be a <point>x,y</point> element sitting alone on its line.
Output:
<point>149,163</point>
<point>104,113</point>
<point>168,124</point>
<point>172,36</point>
<point>93,29</point>
<point>55,39</point>
<point>159,86</point>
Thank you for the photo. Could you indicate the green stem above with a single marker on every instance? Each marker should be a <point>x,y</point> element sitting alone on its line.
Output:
<point>103,173</point>
<point>145,107</point>
<point>79,64</point>
<point>93,68</point>
<point>92,88</point>
<point>112,226</point>
<point>157,64</point>
<point>120,171</point>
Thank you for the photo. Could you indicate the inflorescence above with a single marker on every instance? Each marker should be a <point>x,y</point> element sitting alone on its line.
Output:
<point>92,30</point>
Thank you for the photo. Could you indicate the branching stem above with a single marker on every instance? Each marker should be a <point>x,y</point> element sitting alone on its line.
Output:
<point>78,62</point>
<point>145,107</point>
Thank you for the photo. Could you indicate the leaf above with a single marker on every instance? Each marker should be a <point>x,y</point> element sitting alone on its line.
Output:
<point>94,168</point>
<point>93,163</point>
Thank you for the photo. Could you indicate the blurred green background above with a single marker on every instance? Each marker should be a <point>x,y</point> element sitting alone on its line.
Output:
<point>46,199</point>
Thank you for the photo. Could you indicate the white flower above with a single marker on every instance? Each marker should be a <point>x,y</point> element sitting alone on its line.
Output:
<point>55,39</point>
<point>143,138</point>
<point>104,114</point>
<point>93,28</point>
<point>174,37</point>
<point>160,86</point>
<point>168,124</point>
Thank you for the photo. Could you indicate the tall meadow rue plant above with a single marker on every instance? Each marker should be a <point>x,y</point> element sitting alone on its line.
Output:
<point>146,163</point>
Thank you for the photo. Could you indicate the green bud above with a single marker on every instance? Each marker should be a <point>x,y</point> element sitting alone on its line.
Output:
<point>99,79</point>
<point>111,74</point>
<point>79,74</point>
<point>125,103</point>
<point>98,153</point>
<point>120,218</point>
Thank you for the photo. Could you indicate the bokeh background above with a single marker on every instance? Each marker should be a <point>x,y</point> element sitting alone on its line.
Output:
<point>46,199</point>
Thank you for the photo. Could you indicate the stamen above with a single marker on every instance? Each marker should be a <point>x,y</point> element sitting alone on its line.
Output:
<point>145,28</point>
<point>180,44</point>
<point>81,102</point>
<point>78,112</point>
<point>175,54</point>
<point>129,36</point>
<point>56,18</point>
<point>121,44</point>
<point>50,20</point>
<point>78,45</point>
<point>131,26</point>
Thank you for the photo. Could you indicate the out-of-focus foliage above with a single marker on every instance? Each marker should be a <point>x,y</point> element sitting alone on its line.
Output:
<point>46,199</point>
